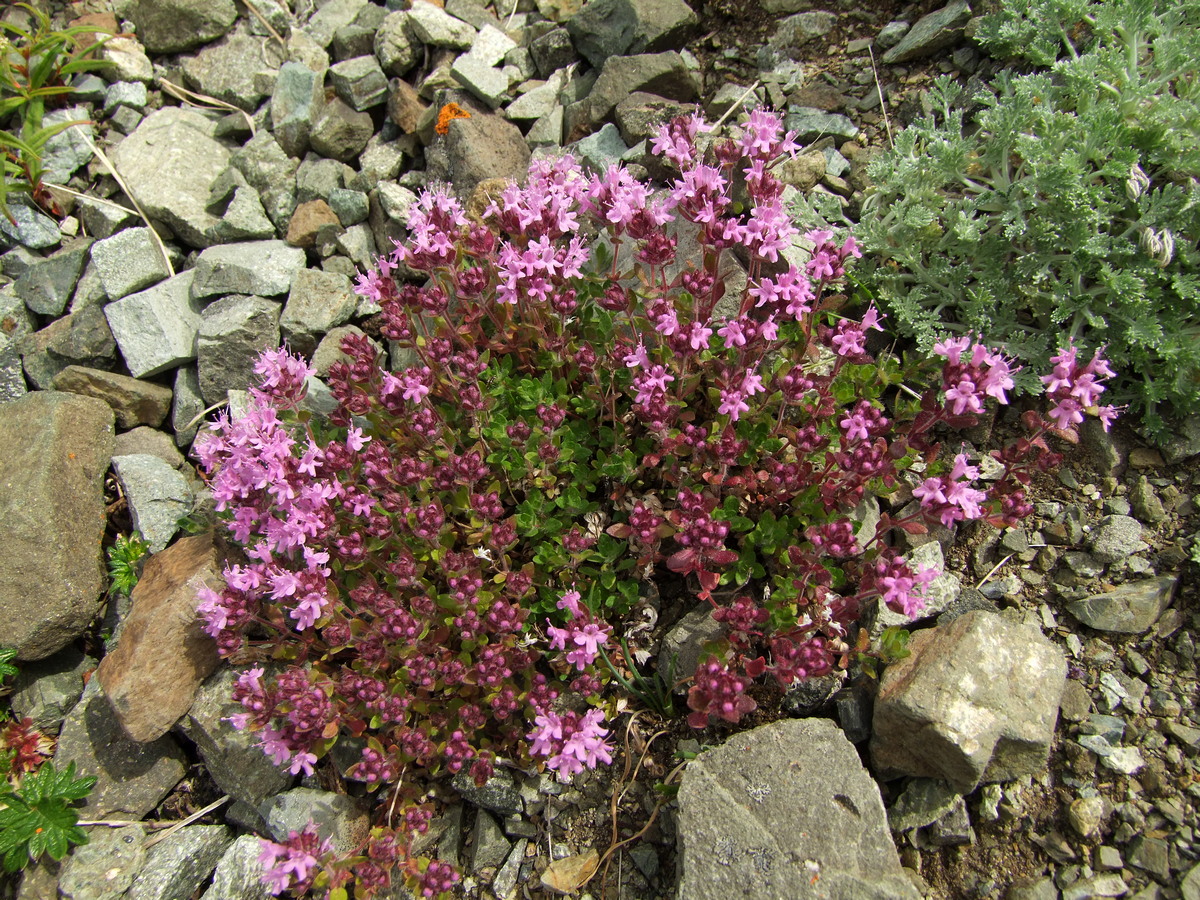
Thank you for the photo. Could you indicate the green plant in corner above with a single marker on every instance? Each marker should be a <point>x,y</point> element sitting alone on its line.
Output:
<point>36,64</point>
<point>37,818</point>
<point>124,562</point>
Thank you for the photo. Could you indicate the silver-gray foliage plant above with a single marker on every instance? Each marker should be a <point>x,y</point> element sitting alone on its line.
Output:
<point>1068,205</point>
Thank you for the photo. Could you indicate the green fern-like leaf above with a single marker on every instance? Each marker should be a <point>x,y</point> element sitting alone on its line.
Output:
<point>37,818</point>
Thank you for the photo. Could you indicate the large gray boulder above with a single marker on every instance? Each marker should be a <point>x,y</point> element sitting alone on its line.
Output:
<point>608,28</point>
<point>171,163</point>
<point>54,451</point>
<point>785,810</point>
<point>975,701</point>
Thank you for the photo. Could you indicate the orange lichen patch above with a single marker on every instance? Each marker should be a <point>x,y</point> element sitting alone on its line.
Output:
<point>446,114</point>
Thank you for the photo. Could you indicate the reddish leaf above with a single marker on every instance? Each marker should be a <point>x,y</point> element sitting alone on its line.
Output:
<point>915,528</point>
<point>684,561</point>
<point>708,580</point>
<point>721,557</point>
<point>619,530</point>
<point>756,667</point>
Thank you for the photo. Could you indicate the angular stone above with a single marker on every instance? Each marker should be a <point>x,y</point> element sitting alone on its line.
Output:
<point>233,332</point>
<point>319,301</point>
<point>262,268</point>
<point>785,810</point>
<point>159,496</point>
<point>552,51</point>
<point>233,758</point>
<point>47,284</point>
<point>811,124</point>
<point>134,402</point>
<point>1116,538</point>
<point>156,328</point>
<point>665,74</point>
<point>181,863</point>
<point>163,655</point>
<point>81,338</point>
<point>187,405</point>
<point>128,261</point>
<point>46,690</point>
<point>294,105</point>
<point>640,115</point>
<point>360,82</point>
<point>537,101</point>
<point>484,146</point>
<point>54,451</point>
<point>308,220</point>
<point>491,846</point>
<point>940,29</point>
<point>350,207</point>
<point>405,107</point>
<point>381,161</point>
<point>169,26</point>
<point>975,701</point>
<point>32,228</point>
<point>606,29</point>
<point>437,27</point>
<point>127,59</point>
<point>548,130</point>
<point>340,132</point>
<point>331,16</point>
<point>499,793</point>
<point>239,873</point>
<point>132,778</point>
<point>170,164</point>
<point>151,441</point>
<point>235,69</point>
<point>790,36</point>
<point>338,817</point>
<point>70,149</point>
<point>491,45</point>
<point>396,44</point>
<point>683,645</point>
<point>940,594</point>
<point>271,172</point>
<point>317,177</point>
<point>104,867</point>
<point>1128,609</point>
<point>486,82</point>
<point>358,38</point>
<point>602,148</point>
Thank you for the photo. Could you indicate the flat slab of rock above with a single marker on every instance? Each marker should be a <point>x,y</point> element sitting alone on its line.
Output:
<point>1129,609</point>
<point>54,451</point>
<point>156,328</point>
<point>168,26</point>
<point>975,701</point>
<point>171,162</point>
<point>785,810</point>
<point>163,655</point>
<point>260,268</point>
<point>134,402</point>
<point>131,778</point>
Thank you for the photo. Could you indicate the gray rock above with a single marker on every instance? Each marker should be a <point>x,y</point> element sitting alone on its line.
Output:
<point>954,828</point>
<point>235,69</point>
<point>810,696</point>
<point>1146,505</point>
<point>128,261</point>
<point>294,104</point>
<point>358,245</point>
<point>79,338</point>
<point>339,818</point>
<point>239,211</point>
<point>156,328</point>
<point>1094,887</point>
<point>12,376</point>
<point>1129,609</point>
<point>605,29</point>
<point>233,758</point>
<point>134,402</point>
<point>810,124</point>
<point>437,27</point>
<point>397,46</point>
<point>381,161</point>
<point>132,777</point>
<point>1183,442</point>
<point>70,149</point>
<point>790,35</point>
<point>102,219</point>
<point>683,645</point>
<point>55,450</point>
<point>360,82</point>
<point>499,794</point>
<point>104,867</point>
<point>486,82</point>
<point>666,74</point>
<point>170,164</point>
<point>239,873</point>
<point>233,332</point>
<point>1116,538</point>
<point>491,846</point>
<point>318,302</point>
<point>186,406</point>
<point>331,16</point>
<point>358,38</point>
<point>340,132</point>
<point>552,51</point>
<point>785,810</point>
<point>169,26</point>
<point>483,146</point>
<point>46,690</point>
<point>125,119</point>
<point>32,228</point>
<point>127,60</point>
<point>923,802</point>
<point>47,284</point>
<point>351,207</point>
<point>1032,889</point>
<point>537,101</point>
<point>601,149</point>
<point>975,701</point>
<point>144,439</point>
<point>125,93</point>
<point>179,864</point>
<point>1191,884</point>
<point>158,495</point>
<point>491,45</point>
<point>263,268</point>
<point>317,178</point>
<point>940,29</point>
<point>272,173</point>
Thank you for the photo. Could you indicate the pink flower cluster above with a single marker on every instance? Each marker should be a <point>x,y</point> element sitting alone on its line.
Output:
<point>570,741</point>
<point>951,498</point>
<point>1076,389</point>
<point>584,635</point>
<point>293,864</point>
<point>973,373</point>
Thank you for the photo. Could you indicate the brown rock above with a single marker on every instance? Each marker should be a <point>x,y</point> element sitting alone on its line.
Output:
<point>104,22</point>
<point>134,402</point>
<point>405,106</point>
<point>308,219</point>
<point>163,655</point>
<point>820,96</point>
<point>804,171</point>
